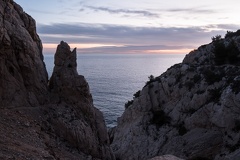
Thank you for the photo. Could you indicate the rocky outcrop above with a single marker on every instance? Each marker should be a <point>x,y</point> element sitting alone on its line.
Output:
<point>23,79</point>
<point>65,81</point>
<point>40,120</point>
<point>190,111</point>
<point>23,85</point>
<point>77,120</point>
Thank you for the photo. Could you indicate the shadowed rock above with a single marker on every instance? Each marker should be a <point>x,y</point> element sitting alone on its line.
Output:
<point>23,79</point>
<point>78,121</point>
<point>37,121</point>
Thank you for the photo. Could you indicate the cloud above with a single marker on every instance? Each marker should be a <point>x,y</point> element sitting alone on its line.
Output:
<point>232,27</point>
<point>134,49</point>
<point>125,11</point>
<point>130,38</point>
<point>42,11</point>
<point>192,10</point>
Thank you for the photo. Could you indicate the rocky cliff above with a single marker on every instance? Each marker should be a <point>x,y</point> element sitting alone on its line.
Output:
<point>191,111</point>
<point>73,116</point>
<point>40,120</point>
<point>23,74</point>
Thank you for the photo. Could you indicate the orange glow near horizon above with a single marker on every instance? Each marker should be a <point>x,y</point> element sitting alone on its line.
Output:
<point>76,45</point>
<point>51,48</point>
<point>49,45</point>
<point>172,51</point>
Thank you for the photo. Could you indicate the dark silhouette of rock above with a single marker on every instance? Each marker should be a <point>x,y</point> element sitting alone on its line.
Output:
<point>65,81</point>
<point>190,111</point>
<point>23,79</point>
<point>38,121</point>
<point>78,121</point>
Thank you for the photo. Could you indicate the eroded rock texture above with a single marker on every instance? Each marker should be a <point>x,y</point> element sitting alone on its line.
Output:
<point>37,121</point>
<point>23,85</point>
<point>23,79</point>
<point>191,111</point>
<point>77,120</point>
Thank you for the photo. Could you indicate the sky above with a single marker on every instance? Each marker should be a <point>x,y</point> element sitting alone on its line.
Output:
<point>136,26</point>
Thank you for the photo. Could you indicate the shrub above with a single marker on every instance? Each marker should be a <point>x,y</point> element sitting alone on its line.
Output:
<point>231,34</point>
<point>235,86</point>
<point>211,77</point>
<point>233,148</point>
<point>137,94</point>
<point>215,94</point>
<point>178,76</point>
<point>233,53</point>
<point>128,104</point>
<point>191,69</point>
<point>180,85</point>
<point>200,91</point>
<point>181,129</point>
<point>160,118</point>
<point>196,59</point>
<point>150,86</point>
<point>217,38</point>
<point>151,79</point>
<point>225,54</point>
<point>219,51</point>
<point>196,78</point>
<point>189,85</point>
<point>69,66</point>
<point>237,125</point>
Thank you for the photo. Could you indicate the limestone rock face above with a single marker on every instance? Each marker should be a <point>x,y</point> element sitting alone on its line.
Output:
<point>191,111</point>
<point>23,86</point>
<point>65,80</point>
<point>78,121</point>
<point>38,121</point>
<point>23,79</point>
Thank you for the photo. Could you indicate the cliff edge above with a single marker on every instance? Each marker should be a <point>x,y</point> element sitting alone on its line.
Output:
<point>190,111</point>
<point>40,120</point>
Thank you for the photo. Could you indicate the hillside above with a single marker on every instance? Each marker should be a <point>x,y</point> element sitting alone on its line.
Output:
<point>191,111</point>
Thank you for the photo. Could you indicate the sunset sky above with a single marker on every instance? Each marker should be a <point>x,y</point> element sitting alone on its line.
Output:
<point>136,26</point>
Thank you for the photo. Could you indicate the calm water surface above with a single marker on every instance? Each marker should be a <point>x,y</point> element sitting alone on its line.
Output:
<point>113,79</point>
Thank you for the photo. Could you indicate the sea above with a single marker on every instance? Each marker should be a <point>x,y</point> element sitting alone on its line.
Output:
<point>114,78</point>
